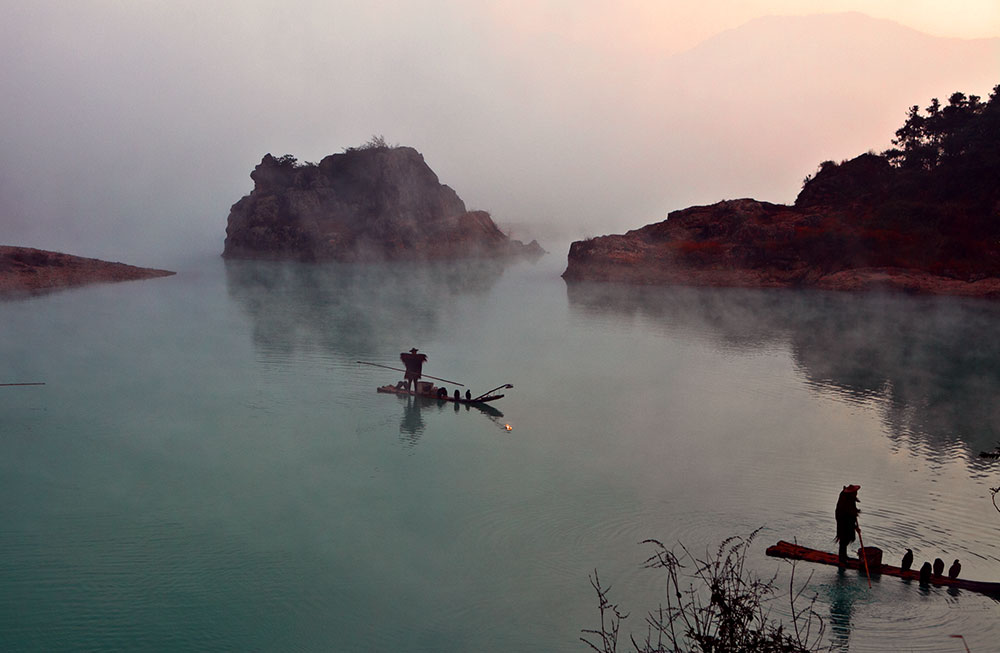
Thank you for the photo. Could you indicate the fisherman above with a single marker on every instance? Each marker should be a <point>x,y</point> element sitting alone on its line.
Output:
<point>414,363</point>
<point>847,519</point>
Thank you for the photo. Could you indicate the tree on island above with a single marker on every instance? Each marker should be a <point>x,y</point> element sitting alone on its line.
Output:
<point>952,151</point>
<point>965,129</point>
<point>931,202</point>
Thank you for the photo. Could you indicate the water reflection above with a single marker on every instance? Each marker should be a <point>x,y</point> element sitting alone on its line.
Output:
<point>412,425</point>
<point>841,596</point>
<point>351,309</point>
<point>934,361</point>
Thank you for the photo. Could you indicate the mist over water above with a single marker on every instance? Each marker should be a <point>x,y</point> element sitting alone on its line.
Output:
<point>129,130</point>
<point>207,465</point>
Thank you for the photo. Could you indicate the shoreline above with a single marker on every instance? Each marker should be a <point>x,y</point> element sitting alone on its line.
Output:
<point>26,271</point>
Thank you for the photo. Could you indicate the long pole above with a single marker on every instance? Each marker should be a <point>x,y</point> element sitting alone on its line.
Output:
<point>10,384</point>
<point>505,385</point>
<point>399,370</point>
<point>864,555</point>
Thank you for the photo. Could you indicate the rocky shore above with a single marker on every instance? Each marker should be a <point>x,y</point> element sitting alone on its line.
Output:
<point>375,202</point>
<point>27,271</point>
<point>848,230</point>
<point>746,243</point>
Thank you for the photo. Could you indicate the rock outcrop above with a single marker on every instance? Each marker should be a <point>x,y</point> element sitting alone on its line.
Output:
<point>851,228</point>
<point>374,202</point>
<point>923,216</point>
<point>27,271</point>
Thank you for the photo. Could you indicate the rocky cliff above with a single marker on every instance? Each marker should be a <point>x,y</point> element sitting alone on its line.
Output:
<point>923,216</point>
<point>27,271</point>
<point>373,202</point>
<point>851,228</point>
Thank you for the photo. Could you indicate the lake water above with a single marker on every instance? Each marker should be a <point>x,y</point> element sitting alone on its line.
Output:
<point>208,468</point>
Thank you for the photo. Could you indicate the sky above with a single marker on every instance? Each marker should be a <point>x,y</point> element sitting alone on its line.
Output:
<point>128,129</point>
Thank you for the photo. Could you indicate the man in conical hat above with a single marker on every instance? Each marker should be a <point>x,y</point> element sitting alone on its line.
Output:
<point>414,363</point>
<point>847,519</point>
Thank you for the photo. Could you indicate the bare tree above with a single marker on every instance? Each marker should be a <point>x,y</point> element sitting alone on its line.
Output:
<point>719,605</point>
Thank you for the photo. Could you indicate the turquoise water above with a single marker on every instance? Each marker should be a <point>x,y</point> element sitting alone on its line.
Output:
<point>208,468</point>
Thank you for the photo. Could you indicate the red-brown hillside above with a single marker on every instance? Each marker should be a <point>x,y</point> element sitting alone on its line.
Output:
<point>924,217</point>
<point>25,271</point>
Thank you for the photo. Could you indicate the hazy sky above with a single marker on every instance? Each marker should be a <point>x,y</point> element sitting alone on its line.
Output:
<point>129,128</point>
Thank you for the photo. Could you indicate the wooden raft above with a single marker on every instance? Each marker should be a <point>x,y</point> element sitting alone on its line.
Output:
<point>391,389</point>
<point>795,552</point>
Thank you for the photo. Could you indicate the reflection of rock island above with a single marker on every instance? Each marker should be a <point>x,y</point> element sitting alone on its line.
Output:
<point>374,202</point>
<point>935,361</point>
<point>921,218</point>
<point>26,271</point>
<point>351,309</point>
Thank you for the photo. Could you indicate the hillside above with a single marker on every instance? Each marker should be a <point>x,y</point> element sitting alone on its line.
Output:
<point>28,271</point>
<point>922,216</point>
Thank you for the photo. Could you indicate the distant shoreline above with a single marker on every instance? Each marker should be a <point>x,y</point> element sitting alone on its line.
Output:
<point>26,271</point>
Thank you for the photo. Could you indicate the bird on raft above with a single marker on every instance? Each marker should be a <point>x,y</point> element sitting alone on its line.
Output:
<point>938,566</point>
<point>955,570</point>
<point>907,560</point>
<point>925,573</point>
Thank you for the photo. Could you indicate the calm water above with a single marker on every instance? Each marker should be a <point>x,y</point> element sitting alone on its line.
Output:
<point>207,468</point>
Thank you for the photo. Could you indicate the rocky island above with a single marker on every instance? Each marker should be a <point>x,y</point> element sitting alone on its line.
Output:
<point>27,271</point>
<point>922,217</point>
<point>376,202</point>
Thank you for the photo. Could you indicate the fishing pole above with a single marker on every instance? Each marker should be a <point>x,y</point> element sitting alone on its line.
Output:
<point>505,385</point>
<point>864,555</point>
<point>399,370</point>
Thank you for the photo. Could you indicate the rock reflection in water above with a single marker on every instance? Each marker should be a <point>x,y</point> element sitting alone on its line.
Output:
<point>934,361</point>
<point>351,309</point>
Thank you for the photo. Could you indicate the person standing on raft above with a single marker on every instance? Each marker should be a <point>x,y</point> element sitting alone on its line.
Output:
<point>414,363</point>
<point>847,519</point>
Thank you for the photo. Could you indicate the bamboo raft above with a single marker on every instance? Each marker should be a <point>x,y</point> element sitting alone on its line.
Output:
<point>795,552</point>
<point>391,389</point>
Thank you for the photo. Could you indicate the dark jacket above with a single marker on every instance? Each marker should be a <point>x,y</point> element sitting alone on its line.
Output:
<point>847,516</point>
<point>414,364</point>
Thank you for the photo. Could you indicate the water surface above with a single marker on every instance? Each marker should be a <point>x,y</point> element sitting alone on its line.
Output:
<point>208,468</point>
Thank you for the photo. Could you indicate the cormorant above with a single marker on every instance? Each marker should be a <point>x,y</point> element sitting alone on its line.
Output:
<point>925,573</point>
<point>956,569</point>
<point>907,560</point>
<point>938,566</point>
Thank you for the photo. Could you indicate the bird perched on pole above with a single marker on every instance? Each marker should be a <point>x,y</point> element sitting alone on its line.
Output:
<point>938,566</point>
<point>907,560</point>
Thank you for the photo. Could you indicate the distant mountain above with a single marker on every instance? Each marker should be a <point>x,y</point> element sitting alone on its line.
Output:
<point>828,65</point>
<point>752,110</point>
